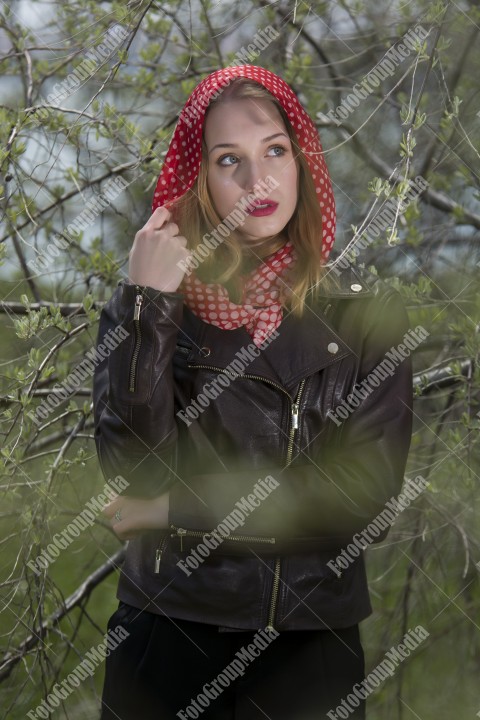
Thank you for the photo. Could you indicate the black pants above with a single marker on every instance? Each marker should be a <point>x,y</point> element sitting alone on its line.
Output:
<point>159,671</point>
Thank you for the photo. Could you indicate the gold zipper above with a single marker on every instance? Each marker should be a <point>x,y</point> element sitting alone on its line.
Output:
<point>158,554</point>
<point>182,532</point>
<point>244,375</point>
<point>295,404</point>
<point>276,574</point>
<point>273,601</point>
<point>138,338</point>
<point>294,423</point>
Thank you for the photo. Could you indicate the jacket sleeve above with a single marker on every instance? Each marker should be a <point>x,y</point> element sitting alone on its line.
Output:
<point>341,490</point>
<point>135,429</point>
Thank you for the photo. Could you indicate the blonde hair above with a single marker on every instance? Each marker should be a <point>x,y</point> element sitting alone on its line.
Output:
<point>195,215</point>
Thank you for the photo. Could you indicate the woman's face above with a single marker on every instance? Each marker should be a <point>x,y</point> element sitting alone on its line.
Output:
<point>246,141</point>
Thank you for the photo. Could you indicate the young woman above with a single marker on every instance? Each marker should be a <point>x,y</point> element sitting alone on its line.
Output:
<point>230,411</point>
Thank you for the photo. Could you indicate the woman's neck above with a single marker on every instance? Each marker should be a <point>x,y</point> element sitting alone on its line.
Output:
<point>252,256</point>
<point>255,253</point>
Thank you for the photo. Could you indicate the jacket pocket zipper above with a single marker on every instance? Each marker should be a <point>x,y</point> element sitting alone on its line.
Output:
<point>158,553</point>
<point>182,532</point>
<point>138,338</point>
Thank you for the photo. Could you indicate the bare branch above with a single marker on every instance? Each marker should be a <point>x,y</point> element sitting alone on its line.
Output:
<point>430,196</point>
<point>11,659</point>
<point>66,309</point>
<point>441,377</point>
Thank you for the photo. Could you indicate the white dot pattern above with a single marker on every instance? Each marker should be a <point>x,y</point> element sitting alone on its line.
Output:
<point>260,310</point>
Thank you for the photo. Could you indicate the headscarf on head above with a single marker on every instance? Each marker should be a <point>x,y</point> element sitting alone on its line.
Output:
<point>260,310</point>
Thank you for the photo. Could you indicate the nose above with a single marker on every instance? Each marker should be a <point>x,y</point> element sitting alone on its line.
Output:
<point>251,173</point>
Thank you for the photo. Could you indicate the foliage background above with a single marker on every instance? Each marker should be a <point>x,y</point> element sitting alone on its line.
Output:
<point>423,120</point>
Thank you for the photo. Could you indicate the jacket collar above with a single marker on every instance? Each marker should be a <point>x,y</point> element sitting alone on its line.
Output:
<point>302,347</point>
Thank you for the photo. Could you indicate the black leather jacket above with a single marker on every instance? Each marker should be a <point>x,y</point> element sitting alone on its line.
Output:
<point>331,476</point>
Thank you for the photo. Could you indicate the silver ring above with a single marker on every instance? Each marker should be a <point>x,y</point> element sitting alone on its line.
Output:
<point>118,515</point>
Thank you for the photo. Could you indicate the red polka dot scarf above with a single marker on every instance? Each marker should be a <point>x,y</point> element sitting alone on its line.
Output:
<point>260,310</point>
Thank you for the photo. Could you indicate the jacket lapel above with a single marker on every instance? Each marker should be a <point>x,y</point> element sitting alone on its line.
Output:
<point>302,347</point>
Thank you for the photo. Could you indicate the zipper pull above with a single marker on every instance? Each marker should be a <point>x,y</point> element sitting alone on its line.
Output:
<point>138,304</point>
<point>180,533</point>
<point>158,557</point>
<point>294,416</point>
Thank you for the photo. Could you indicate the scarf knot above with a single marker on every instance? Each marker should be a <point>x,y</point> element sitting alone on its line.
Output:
<point>260,309</point>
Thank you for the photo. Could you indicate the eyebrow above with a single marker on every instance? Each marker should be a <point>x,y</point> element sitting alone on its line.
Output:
<point>230,145</point>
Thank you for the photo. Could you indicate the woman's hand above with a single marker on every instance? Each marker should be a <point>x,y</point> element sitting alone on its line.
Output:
<point>130,515</point>
<point>156,253</point>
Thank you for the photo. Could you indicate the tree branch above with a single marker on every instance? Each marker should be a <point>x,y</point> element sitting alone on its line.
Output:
<point>11,659</point>
<point>430,196</point>
<point>441,377</point>
<point>66,309</point>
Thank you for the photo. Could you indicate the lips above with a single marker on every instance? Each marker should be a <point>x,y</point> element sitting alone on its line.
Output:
<point>266,207</point>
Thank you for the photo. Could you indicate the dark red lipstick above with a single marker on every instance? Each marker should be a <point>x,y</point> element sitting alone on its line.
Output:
<point>263,207</point>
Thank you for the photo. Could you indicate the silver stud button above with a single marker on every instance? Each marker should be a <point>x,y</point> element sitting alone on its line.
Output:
<point>332,348</point>
<point>356,287</point>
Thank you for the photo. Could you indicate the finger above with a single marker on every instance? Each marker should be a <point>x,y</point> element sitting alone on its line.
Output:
<point>181,240</point>
<point>171,228</point>
<point>124,529</point>
<point>121,525</point>
<point>186,255</point>
<point>158,218</point>
<point>122,533</point>
<point>110,508</point>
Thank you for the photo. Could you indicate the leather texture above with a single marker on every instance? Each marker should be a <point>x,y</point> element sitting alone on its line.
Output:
<point>339,476</point>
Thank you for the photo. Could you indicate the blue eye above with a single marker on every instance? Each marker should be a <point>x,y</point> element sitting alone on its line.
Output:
<point>279,147</point>
<point>224,157</point>
<point>222,160</point>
